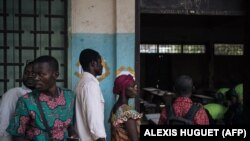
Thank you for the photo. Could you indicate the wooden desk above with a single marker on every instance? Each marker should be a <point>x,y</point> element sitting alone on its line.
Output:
<point>158,97</point>
<point>204,99</point>
<point>154,91</point>
<point>158,92</point>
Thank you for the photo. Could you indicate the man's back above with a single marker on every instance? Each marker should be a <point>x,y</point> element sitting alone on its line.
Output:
<point>89,108</point>
<point>181,106</point>
<point>187,119</point>
<point>183,88</point>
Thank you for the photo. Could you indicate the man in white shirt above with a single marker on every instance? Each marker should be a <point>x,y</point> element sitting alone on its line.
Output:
<point>9,100</point>
<point>89,99</point>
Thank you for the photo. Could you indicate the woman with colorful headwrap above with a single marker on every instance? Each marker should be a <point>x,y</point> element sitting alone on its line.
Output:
<point>125,122</point>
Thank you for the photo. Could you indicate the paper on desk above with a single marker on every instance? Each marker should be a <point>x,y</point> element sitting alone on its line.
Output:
<point>158,92</point>
<point>150,89</point>
<point>154,117</point>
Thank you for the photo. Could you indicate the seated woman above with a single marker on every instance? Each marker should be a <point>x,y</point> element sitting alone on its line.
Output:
<point>125,122</point>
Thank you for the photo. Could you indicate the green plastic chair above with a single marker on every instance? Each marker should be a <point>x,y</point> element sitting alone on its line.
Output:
<point>216,110</point>
<point>239,91</point>
<point>222,90</point>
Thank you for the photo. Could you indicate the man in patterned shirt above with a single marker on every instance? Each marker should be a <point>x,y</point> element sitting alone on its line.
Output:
<point>182,104</point>
<point>47,105</point>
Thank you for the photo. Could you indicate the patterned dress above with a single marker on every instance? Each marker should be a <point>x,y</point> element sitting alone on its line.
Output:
<point>123,113</point>
<point>58,113</point>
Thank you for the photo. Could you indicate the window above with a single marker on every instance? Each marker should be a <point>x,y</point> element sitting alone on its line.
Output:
<point>148,48</point>
<point>229,49</point>
<point>29,29</point>
<point>172,48</point>
<point>169,48</point>
<point>193,49</point>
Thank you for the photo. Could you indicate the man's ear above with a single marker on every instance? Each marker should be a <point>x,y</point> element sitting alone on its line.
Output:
<point>93,63</point>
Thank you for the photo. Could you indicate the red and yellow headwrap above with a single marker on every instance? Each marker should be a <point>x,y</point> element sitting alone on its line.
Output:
<point>121,83</point>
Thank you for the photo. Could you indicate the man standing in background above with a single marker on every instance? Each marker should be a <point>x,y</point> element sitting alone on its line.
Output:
<point>89,99</point>
<point>9,100</point>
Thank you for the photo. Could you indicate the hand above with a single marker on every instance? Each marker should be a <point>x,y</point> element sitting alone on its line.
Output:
<point>72,132</point>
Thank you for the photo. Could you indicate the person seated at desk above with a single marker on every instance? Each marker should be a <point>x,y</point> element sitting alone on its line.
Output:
<point>234,114</point>
<point>182,104</point>
<point>220,95</point>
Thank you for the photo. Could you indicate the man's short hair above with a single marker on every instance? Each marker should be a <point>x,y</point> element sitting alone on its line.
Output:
<point>28,63</point>
<point>184,85</point>
<point>53,63</point>
<point>87,56</point>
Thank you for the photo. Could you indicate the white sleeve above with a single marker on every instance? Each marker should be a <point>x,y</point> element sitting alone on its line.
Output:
<point>95,110</point>
<point>7,109</point>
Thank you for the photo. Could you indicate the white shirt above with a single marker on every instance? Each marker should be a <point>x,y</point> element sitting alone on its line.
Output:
<point>89,109</point>
<point>8,106</point>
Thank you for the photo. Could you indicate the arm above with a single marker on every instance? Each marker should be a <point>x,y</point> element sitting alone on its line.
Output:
<point>71,129</point>
<point>7,108</point>
<point>132,130</point>
<point>163,117</point>
<point>72,132</point>
<point>19,123</point>
<point>201,117</point>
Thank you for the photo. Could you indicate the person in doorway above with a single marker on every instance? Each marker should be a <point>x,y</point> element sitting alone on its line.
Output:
<point>46,113</point>
<point>125,122</point>
<point>89,98</point>
<point>183,102</point>
<point>9,100</point>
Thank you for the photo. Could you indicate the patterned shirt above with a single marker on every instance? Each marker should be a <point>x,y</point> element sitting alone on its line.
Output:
<point>27,121</point>
<point>122,115</point>
<point>8,105</point>
<point>181,106</point>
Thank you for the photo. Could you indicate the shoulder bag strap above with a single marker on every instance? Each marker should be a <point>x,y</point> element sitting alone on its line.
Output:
<point>192,111</point>
<point>45,123</point>
<point>170,112</point>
